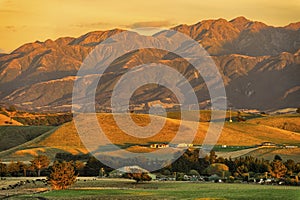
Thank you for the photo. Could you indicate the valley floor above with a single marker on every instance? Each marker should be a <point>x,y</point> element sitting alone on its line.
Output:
<point>89,188</point>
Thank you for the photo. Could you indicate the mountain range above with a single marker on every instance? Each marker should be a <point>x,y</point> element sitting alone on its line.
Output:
<point>258,63</point>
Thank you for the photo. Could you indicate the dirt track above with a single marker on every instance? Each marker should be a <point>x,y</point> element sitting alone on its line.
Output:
<point>235,154</point>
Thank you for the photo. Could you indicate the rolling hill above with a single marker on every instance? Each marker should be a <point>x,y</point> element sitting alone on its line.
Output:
<point>286,122</point>
<point>269,153</point>
<point>11,136</point>
<point>65,138</point>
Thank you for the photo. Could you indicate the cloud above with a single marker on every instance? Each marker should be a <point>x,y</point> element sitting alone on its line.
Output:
<point>11,28</point>
<point>91,25</point>
<point>157,24</point>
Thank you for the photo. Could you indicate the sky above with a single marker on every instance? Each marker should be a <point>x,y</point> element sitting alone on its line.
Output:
<point>23,21</point>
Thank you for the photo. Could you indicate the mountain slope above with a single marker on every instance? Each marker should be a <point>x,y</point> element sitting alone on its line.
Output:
<point>250,56</point>
<point>243,36</point>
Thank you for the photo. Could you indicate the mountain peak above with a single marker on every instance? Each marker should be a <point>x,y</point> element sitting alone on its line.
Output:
<point>94,37</point>
<point>240,23</point>
<point>240,19</point>
<point>293,26</point>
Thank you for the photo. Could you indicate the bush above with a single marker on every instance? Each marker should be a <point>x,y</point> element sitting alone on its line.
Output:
<point>218,169</point>
<point>231,179</point>
<point>166,172</point>
<point>179,176</point>
<point>194,173</point>
<point>138,176</point>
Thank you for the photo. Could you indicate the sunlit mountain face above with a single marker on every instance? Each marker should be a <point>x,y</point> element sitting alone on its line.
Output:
<point>259,65</point>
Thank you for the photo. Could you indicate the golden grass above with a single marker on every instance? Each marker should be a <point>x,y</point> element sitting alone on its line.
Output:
<point>32,152</point>
<point>66,135</point>
<point>117,136</point>
<point>242,134</point>
<point>287,122</point>
<point>4,119</point>
<point>66,138</point>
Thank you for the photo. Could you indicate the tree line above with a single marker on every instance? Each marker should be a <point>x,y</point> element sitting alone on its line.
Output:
<point>243,168</point>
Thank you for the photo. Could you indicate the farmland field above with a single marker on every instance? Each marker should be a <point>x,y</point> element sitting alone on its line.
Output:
<point>127,189</point>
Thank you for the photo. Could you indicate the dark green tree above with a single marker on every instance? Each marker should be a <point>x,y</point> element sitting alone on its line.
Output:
<point>93,166</point>
<point>277,157</point>
<point>3,169</point>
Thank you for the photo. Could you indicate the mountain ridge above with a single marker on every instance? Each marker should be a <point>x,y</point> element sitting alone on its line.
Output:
<point>246,52</point>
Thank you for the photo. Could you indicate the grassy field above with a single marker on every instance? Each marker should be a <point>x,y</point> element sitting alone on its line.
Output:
<point>127,189</point>
<point>219,148</point>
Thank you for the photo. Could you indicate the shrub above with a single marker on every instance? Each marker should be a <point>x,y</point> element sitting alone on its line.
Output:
<point>194,173</point>
<point>166,172</point>
<point>138,176</point>
<point>217,168</point>
<point>179,176</point>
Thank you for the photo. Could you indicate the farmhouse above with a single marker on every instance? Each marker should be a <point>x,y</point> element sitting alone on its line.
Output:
<point>184,145</point>
<point>159,146</point>
<point>268,144</point>
<point>290,146</point>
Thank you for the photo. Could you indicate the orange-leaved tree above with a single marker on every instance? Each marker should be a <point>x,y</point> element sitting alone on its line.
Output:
<point>40,162</point>
<point>62,175</point>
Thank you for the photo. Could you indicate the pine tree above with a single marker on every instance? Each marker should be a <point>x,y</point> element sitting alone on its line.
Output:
<point>62,175</point>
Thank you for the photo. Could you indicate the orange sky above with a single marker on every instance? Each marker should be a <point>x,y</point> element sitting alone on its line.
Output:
<point>25,21</point>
